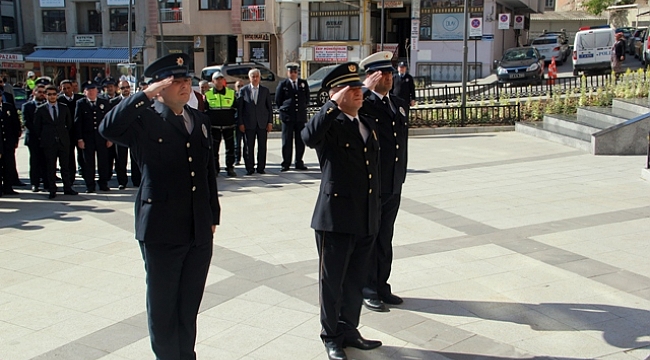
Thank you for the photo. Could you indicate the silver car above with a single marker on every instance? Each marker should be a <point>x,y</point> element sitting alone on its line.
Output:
<point>551,46</point>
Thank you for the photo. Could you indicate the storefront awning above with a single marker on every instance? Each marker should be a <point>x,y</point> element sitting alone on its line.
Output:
<point>77,55</point>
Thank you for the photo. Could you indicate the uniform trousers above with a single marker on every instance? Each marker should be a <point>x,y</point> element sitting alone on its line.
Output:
<point>249,157</point>
<point>95,152</point>
<point>8,168</point>
<point>36,165</point>
<point>342,275</point>
<point>290,131</point>
<point>228,135</point>
<point>121,160</point>
<point>51,154</point>
<point>381,262</point>
<point>176,276</point>
<point>71,161</point>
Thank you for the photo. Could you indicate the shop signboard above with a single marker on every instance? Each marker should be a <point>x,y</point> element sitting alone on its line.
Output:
<point>11,57</point>
<point>52,3</point>
<point>84,40</point>
<point>331,53</point>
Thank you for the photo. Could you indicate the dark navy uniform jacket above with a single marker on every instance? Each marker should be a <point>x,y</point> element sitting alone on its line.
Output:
<point>87,118</point>
<point>10,128</point>
<point>292,103</point>
<point>348,201</point>
<point>392,130</point>
<point>177,200</point>
<point>29,110</point>
<point>53,132</point>
<point>404,87</point>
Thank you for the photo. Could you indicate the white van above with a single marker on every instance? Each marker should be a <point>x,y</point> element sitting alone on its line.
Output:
<point>592,49</point>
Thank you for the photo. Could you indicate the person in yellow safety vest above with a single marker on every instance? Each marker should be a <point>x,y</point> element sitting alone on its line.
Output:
<point>221,105</point>
<point>30,83</point>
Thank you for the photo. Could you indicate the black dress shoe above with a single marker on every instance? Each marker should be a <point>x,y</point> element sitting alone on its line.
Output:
<point>10,192</point>
<point>90,190</point>
<point>231,172</point>
<point>70,192</point>
<point>301,167</point>
<point>35,188</point>
<point>284,168</point>
<point>261,172</point>
<point>121,187</point>
<point>250,172</point>
<point>19,183</point>
<point>52,195</point>
<point>335,352</point>
<point>391,299</point>
<point>374,305</point>
<point>104,188</point>
<point>361,343</point>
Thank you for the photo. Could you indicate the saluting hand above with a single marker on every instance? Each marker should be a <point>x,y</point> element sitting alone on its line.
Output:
<point>155,88</point>
<point>371,81</point>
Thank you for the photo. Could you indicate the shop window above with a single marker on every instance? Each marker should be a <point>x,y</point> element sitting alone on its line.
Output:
<point>215,5</point>
<point>334,21</point>
<point>549,4</point>
<point>8,25</point>
<point>54,21</point>
<point>252,2</point>
<point>120,18</point>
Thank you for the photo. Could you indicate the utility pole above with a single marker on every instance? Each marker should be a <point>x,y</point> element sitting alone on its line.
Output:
<point>160,20</point>
<point>463,102</point>
<point>129,21</point>
<point>383,19</point>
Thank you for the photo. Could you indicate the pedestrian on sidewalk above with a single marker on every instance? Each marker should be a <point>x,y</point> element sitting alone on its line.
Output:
<point>618,53</point>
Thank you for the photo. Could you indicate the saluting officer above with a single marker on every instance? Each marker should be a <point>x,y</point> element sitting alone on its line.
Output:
<point>221,103</point>
<point>292,98</point>
<point>390,114</point>
<point>346,215</point>
<point>88,115</point>
<point>176,207</point>
<point>403,85</point>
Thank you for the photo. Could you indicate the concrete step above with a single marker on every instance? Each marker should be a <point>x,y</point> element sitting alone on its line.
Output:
<point>604,117</point>
<point>555,133</point>
<point>636,106</point>
<point>570,122</point>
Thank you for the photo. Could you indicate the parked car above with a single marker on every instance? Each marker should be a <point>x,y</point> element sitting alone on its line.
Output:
<point>592,49</point>
<point>318,95</point>
<point>20,97</point>
<point>562,34</point>
<point>239,72</point>
<point>627,31</point>
<point>522,65</point>
<point>637,42</point>
<point>551,46</point>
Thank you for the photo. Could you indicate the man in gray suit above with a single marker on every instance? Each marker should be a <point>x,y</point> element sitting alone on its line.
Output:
<point>254,113</point>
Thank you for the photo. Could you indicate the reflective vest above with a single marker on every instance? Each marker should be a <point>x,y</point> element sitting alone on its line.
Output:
<point>218,101</point>
<point>30,84</point>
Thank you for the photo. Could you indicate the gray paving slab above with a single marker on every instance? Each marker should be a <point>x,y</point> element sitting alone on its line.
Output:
<point>506,247</point>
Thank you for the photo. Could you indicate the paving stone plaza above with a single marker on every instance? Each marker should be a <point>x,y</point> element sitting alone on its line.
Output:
<point>506,247</point>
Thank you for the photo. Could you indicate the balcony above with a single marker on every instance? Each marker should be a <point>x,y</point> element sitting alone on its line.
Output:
<point>253,13</point>
<point>172,15</point>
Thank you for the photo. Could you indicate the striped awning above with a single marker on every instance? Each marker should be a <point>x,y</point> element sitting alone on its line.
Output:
<point>79,55</point>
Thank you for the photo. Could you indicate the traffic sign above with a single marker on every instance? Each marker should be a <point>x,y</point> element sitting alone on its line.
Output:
<point>519,22</point>
<point>475,27</point>
<point>504,21</point>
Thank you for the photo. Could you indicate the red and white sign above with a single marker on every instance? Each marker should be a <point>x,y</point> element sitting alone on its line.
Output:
<point>331,53</point>
<point>12,65</point>
<point>475,27</point>
<point>519,22</point>
<point>504,21</point>
<point>11,57</point>
<point>391,4</point>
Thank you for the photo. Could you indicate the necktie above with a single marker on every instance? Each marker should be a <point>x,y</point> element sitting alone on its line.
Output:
<point>188,122</point>
<point>295,87</point>
<point>54,115</point>
<point>387,104</point>
<point>92,104</point>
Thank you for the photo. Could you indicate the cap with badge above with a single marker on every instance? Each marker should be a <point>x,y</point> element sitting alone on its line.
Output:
<point>292,67</point>
<point>108,81</point>
<point>379,61</point>
<point>402,64</point>
<point>343,75</point>
<point>169,65</point>
<point>89,85</point>
<point>44,80</point>
<point>216,75</point>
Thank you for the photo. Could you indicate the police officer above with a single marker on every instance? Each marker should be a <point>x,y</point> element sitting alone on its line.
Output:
<point>176,208</point>
<point>292,98</point>
<point>403,85</point>
<point>221,103</point>
<point>37,169</point>
<point>122,152</point>
<point>69,98</point>
<point>346,215</point>
<point>89,114</point>
<point>10,131</point>
<point>390,114</point>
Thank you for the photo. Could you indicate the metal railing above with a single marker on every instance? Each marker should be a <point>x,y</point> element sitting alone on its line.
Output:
<point>171,15</point>
<point>426,92</point>
<point>451,116</point>
<point>253,13</point>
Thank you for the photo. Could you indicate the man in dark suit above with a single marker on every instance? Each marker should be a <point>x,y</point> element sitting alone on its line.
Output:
<point>69,99</point>
<point>109,93</point>
<point>122,152</point>
<point>346,215</point>
<point>176,208</point>
<point>52,122</point>
<point>6,96</point>
<point>88,115</point>
<point>36,157</point>
<point>391,117</point>
<point>254,112</point>
<point>292,99</point>
<point>10,132</point>
<point>403,85</point>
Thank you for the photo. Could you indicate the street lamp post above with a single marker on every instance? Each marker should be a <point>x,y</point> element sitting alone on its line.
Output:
<point>463,101</point>
<point>382,25</point>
